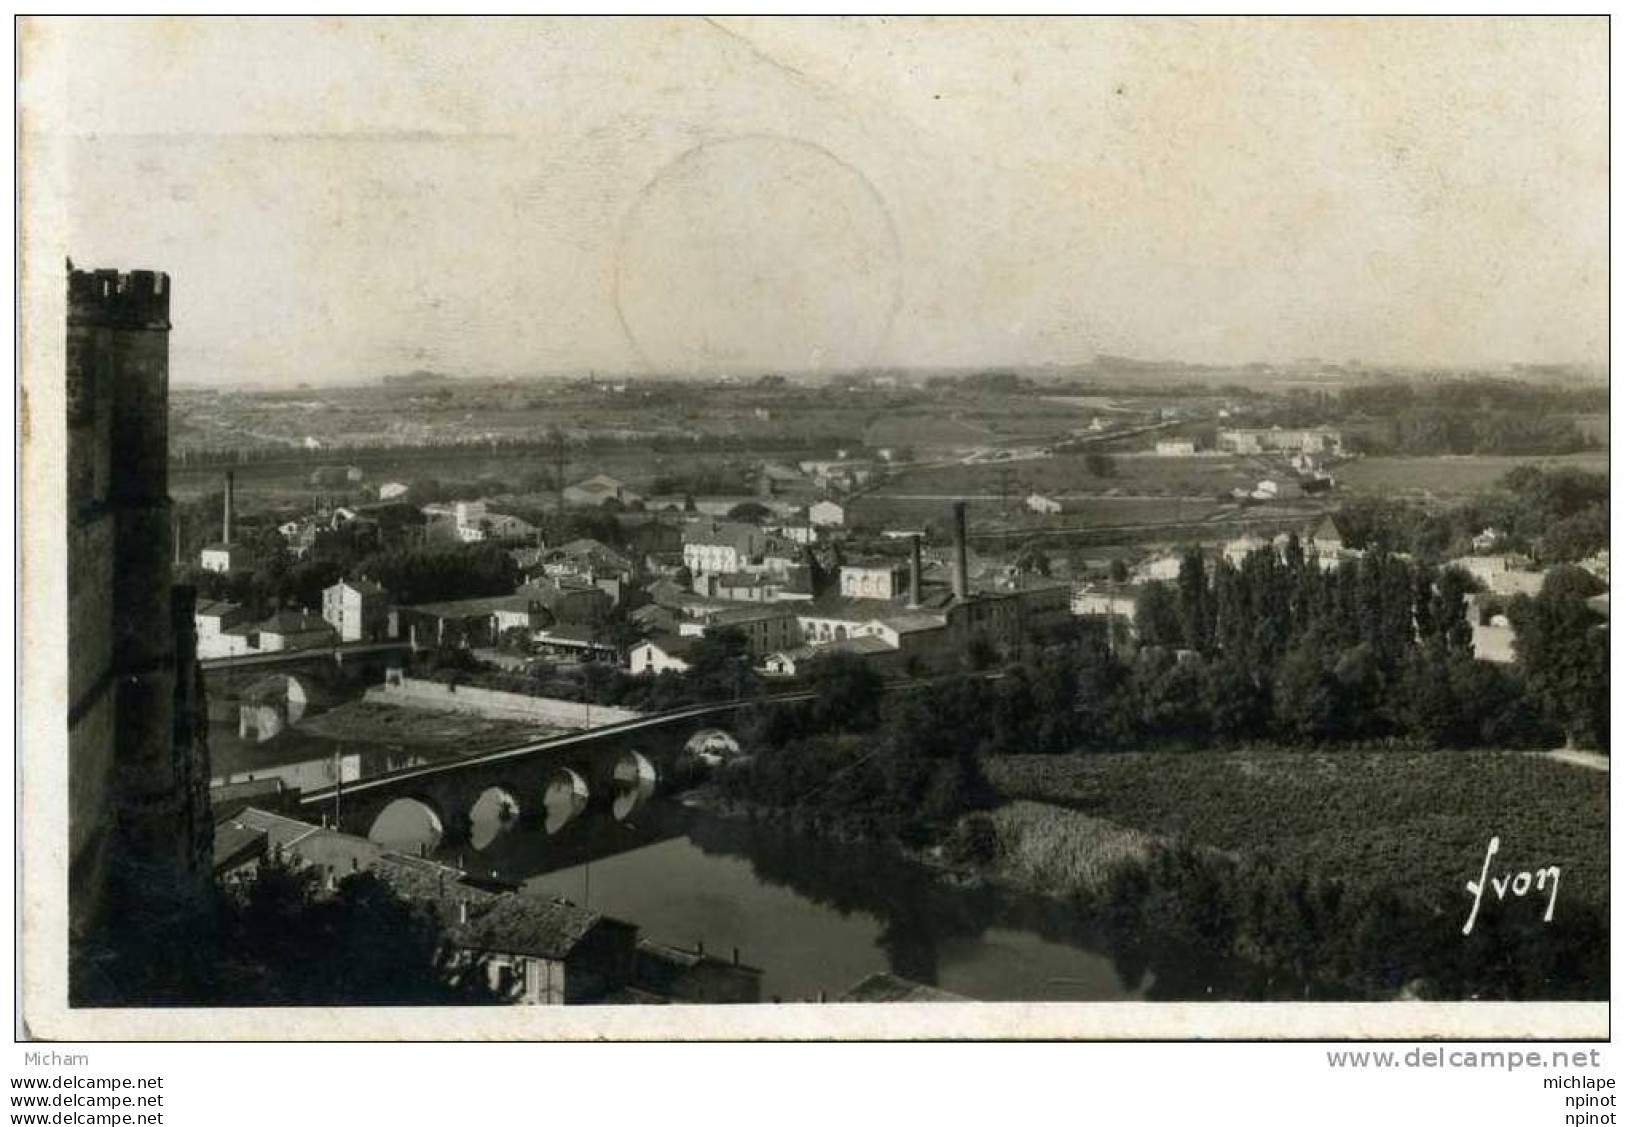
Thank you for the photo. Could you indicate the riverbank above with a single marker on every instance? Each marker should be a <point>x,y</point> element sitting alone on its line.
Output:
<point>1344,870</point>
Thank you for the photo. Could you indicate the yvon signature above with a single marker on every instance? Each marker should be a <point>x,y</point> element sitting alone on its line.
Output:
<point>1518,884</point>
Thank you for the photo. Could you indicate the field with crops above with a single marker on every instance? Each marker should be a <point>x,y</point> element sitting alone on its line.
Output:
<point>1071,473</point>
<point>1448,476</point>
<point>914,512</point>
<point>1416,822</point>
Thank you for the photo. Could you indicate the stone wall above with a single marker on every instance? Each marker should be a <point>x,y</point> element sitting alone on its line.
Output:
<point>415,693</point>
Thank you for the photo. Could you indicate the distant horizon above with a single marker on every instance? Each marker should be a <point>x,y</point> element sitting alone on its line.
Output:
<point>1115,365</point>
<point>340,200</point>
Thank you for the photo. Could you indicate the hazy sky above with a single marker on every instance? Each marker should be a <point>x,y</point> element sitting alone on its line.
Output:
<point>343,199</point>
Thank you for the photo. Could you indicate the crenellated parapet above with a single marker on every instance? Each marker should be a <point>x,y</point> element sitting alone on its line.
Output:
<point>115,299</point>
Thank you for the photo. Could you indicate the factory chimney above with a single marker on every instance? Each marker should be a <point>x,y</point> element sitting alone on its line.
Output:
<point>231,490</point>
<point>961,554</point>
<point>915,594</point>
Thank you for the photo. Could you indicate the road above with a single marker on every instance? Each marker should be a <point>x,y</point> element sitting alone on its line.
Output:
<point>290,657</point>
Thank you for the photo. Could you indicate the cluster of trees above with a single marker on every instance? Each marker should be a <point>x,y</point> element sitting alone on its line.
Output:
<point>1466,416</point>
<point>902,766</point>
<point>1553,515</point>
<point>442,572</point>
<point>517,446</point>
<point>1348,939</point>
<point>279,939</point>
<point>1378,648</point>
<point>715,479</point>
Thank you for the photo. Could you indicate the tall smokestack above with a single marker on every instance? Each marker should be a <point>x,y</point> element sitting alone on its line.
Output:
<point>915,594</point>
<point>961,554</point>
<point>231,491</point>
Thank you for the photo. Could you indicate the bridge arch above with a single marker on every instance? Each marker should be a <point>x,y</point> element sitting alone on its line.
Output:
<point>713,744</point>
<point>634,779</point>
<point>272,703</point>
<point>412,823</point>
<point>564,796</point>
<point>496,810</point>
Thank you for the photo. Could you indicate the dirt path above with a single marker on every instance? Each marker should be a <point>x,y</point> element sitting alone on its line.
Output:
<point>1596,761</point>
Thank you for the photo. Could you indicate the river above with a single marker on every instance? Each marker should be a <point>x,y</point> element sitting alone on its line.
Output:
<point>817,916</point>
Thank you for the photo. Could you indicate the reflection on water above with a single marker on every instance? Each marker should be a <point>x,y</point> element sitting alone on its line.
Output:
<point>408,826</point>
<point>635,782</point>
<point>818,916</point>
<point>493,813</point>
<point>565,798</point>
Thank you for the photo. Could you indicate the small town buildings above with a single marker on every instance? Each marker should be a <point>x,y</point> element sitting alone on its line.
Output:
<point>796,532</point>
<point>537,951</point>
<point>1159,569</point>
<point>883,986</point>
<point>336,477</point>
<point>223,630</point>
<point>598,490</point>
<point>1276,440</point>
<point>471,623</point>
<point>741,586</point>
<point>495,526</point>
<point>652,618</point>
<point>776,478</point>
<point>587,558</point>
<point>1493,635</point>
<point>1503,574</point>
<point>774,626</point>
<point>797,661</point>
<point>223,558</point>
<point>1042,602</point>
<point>661,653</point>
<point>393,490</point>
<point>843,474</point>
<point>294,630</point>
<point>1237,550</point>
<point>1326,541</point>
<point>711,546</point>
<point>826,514</point>
<point>569,599</point>
<point>533,950</point>
<point>571,641</point>
<point>1105,600</point>
<point>1039,503</point>
<point>1175,448</point>
<point>878,578</point>
<point>357,609</point>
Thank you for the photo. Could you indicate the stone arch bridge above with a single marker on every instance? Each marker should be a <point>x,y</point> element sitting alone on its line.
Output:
<point>592,763</point>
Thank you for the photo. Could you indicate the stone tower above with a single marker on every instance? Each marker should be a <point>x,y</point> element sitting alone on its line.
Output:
<point>138,773</point>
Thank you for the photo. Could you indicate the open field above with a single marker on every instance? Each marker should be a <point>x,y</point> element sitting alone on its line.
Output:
<point>366,723</point>
<point>1418,822</point>
<point>901,512</point>
<point>1067,474</point>
<point>1451,475</point>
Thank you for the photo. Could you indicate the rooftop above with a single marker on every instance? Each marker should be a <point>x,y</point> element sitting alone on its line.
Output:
<point>293,622</point>
<point>470,608</point>
<point>674,645</point>
<point>885,987</point>
<point>529,925</point>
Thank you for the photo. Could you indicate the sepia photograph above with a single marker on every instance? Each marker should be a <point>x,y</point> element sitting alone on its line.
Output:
<point>920,527</point>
